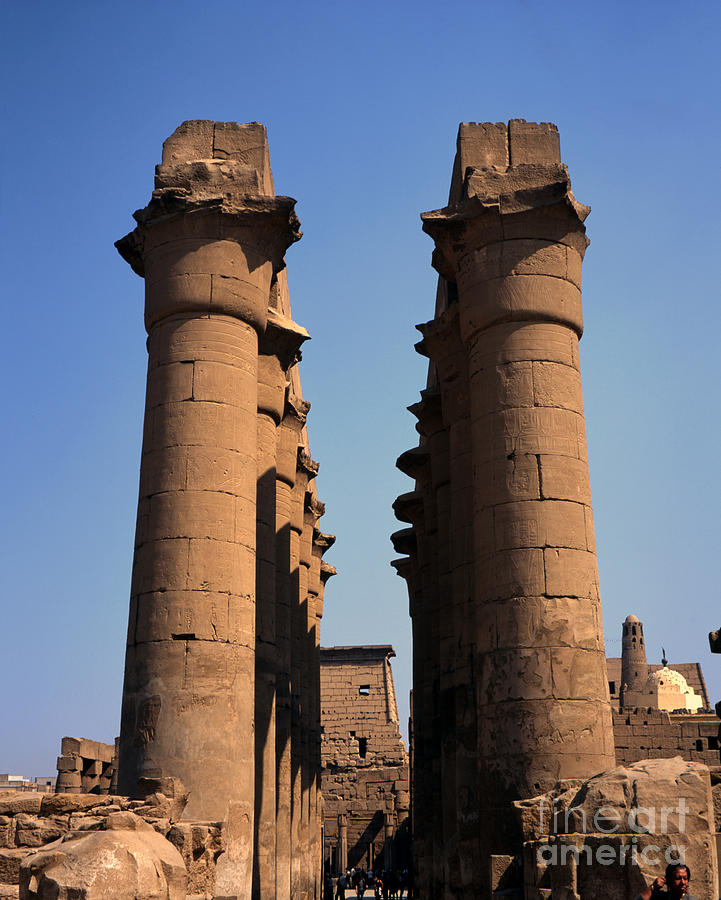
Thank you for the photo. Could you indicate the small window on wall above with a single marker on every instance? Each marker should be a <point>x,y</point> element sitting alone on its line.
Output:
<point>362,747</point>
<point>612,687</point>
<point>364,690</point>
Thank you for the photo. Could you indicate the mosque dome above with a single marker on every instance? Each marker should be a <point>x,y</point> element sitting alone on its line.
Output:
<point>632,620</point>
<point>669,679</point>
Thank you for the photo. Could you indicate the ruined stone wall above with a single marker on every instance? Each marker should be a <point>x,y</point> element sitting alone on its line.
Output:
<point>364,775</point>
<point>32,821</point>
<point>86,767</point>
<point>655,734</point>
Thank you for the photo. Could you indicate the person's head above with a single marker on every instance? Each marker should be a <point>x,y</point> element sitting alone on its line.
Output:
<point>678,876</point>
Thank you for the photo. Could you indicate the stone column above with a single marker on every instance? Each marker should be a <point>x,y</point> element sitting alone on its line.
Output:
<point>418,507</point>
<point>279,347</point>
<point>307,470</point>
<point>300,563</point>
<point>207,245</point>
<point>388,829</point>
<point>514,244</point>
<point>443,345</point>
<point>288,439</point>
<point>320,543</point>
<point>342,843</point>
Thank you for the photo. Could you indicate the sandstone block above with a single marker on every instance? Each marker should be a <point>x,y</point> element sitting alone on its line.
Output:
<point>12,802</point>
<point>503,387</point>
<point>548,622</point>
<point>68,764</point>
<point>548,523</point>
<point>191,140</point>
<point>32,831</point>
<point>201,614</point>
<point>515,675</point>
<point>533,143</point>
<point>578,673</point>
<point>512,573</point>
<point>517,298</point>
<point>191,514</point>
<point>571,573</point>
<point>201,424</point>
<point>56,804</point>
<point>218,382</point>
<point>171,382</point>
<point>536,430</point>
<point>557,385</point>
<point>532,341</point>
<point>506,480</point>
<point>10,861</point>
<point>119,863</point>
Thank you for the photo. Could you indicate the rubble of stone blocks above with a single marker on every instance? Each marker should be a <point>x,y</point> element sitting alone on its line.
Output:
<point>607,837</point>
<point>125,859</point>
<point>32,821</point>
<point>654,734</point>
<point>85,767</point>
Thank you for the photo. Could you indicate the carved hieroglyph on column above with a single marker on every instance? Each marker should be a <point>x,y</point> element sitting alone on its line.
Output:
<point>504,401</point>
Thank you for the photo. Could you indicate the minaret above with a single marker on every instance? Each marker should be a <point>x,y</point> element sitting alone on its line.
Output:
<point>634,668</point>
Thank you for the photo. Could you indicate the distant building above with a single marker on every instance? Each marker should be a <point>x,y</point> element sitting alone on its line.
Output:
<point>641,689</point>
<point>44,784</point>
<point>659,711</point>
<point>364,775</point>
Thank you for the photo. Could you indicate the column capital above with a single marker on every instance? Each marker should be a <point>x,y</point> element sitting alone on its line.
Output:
<point>415,463</point>
<point>513,238</point>
<point>306,464</point>
<point>429,412</point>
<point>282,338</point>
<point>278,351</point>
<point>327,571</point>
<point>295,413</point>
<point>323,541</point>
<point>408,507</point>
<point>213,234</point>
<point>404,541</point>
<point>529,202</point>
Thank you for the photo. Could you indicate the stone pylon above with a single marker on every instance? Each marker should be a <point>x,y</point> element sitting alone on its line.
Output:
<point>209,658</point>
<point>509,693</point>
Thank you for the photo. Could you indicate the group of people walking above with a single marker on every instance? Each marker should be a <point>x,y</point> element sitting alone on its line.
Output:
<point>384,885</point>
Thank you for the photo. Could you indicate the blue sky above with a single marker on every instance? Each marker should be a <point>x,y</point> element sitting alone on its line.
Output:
<point>362,104</point>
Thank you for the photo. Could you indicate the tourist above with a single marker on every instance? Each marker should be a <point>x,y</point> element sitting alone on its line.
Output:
<point>675,880</point>
<point>340,887</point>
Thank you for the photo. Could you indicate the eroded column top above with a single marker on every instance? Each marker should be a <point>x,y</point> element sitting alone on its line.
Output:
<point>214,167</point>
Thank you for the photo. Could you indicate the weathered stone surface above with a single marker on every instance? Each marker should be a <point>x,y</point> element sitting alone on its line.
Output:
<point>10,860</point>
<point>510,688</point>
<point>625,824</point>
<point>128,861</point>
<point>69,803</point>
<point>32,831</point>
<point>223,632</point>
<point>25,802</point>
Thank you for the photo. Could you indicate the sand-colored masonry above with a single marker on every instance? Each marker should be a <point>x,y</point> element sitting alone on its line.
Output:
<point>218,615</point>
<point>510,693</point>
